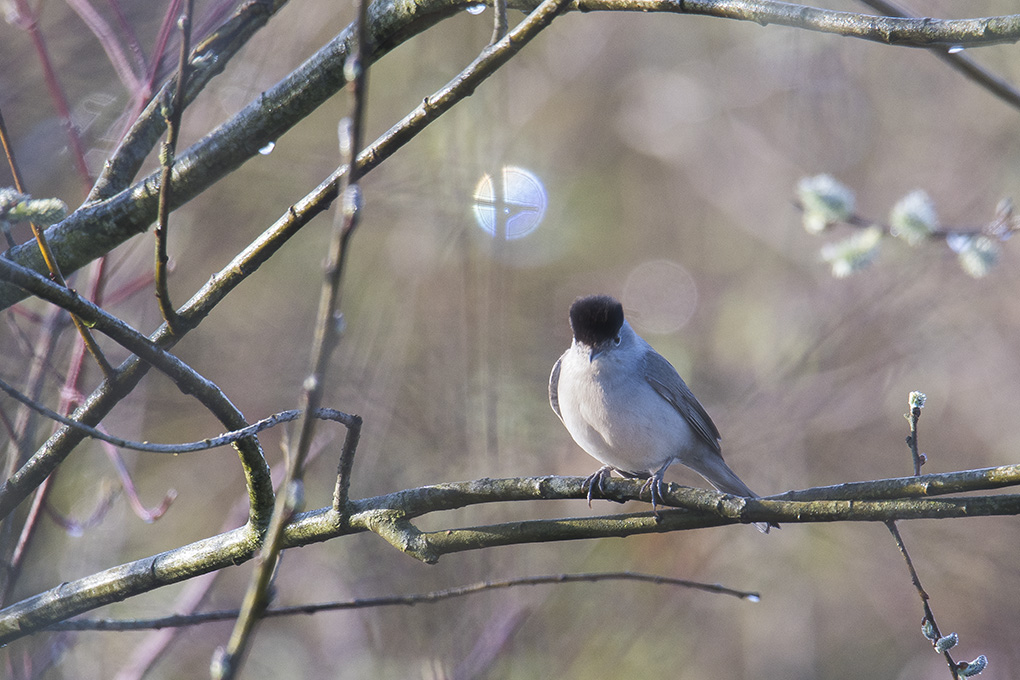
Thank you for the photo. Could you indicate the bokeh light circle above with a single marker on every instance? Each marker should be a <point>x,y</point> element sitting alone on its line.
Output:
<point>659,296</point>
<point>510,206</point>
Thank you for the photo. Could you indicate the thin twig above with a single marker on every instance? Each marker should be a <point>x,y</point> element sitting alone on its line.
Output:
<point>329,321</point>
<point>344,467</point>
<point>1000,226</point>
<point>27,18</point>
<point>916,403</point>
<point>77,527</point>
<point>928,614</point>
<point>401,600</point>
<point>131,38</point>
<point>41,353</point>
<point>12,163</point>
<point>129,77</point>
<point>83,330</point>
<point>143,513</point>
<point>162,39</point>
<point>499,20</point>
<point>25,536</point>
<point>958,60</point>
<point>173,128</point>
<point>189,447</point>
<point>49,259</point>
<point>20,433</point>
<point>326,336</point>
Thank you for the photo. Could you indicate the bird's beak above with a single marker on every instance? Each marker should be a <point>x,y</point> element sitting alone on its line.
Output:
<point>593,353</point>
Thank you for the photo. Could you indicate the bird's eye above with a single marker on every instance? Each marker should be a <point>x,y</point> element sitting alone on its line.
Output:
<point>616,340</point>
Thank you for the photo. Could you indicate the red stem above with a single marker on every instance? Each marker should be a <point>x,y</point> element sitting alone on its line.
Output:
<point>29,22</point>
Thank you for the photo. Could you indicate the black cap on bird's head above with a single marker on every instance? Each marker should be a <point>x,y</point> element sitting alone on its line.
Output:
<point>595,319</point>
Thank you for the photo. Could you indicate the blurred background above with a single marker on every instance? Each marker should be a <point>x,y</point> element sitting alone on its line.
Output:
<point>668,149</point>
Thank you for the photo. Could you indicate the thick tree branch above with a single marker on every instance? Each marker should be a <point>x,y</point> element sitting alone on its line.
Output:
<point>902,31</point>
<point>390,516</point>
<point>919,486</point>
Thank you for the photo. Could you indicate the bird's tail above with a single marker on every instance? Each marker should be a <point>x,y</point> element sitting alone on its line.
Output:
<point>718,473</point>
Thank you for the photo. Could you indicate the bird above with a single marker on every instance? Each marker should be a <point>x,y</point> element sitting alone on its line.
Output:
<point>627,406</point>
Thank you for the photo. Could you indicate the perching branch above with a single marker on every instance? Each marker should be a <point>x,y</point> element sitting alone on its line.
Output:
<point>390,516</point>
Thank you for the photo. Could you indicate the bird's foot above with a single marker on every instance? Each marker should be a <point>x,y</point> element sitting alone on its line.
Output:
<point>654,488</point>
<point>597,480</point>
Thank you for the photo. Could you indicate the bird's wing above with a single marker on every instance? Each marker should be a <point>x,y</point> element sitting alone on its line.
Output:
<point>554,386</point>
<point>664,379</point>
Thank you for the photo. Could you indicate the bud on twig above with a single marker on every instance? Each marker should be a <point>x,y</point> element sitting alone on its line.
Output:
<point>825,201</point>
